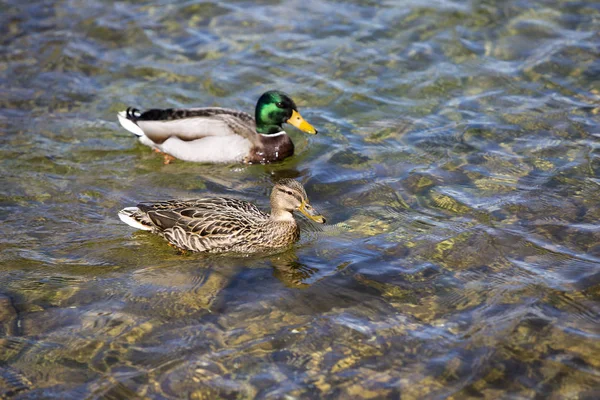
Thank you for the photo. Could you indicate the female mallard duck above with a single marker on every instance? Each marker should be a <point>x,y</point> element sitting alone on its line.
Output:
<point>218,225</point>
<point>215,135</point>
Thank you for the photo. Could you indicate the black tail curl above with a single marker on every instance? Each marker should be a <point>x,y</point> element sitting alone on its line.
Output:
<point>131,113</point>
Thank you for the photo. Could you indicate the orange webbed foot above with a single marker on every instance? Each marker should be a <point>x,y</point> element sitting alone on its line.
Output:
<point>168,159</point>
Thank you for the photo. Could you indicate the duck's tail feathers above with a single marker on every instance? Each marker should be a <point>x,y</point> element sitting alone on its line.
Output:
<point>128,118</point>
<point>135,218</point>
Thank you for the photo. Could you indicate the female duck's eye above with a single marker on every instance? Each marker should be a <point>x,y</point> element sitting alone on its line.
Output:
<point>290,193</point>
<point>279,104</point>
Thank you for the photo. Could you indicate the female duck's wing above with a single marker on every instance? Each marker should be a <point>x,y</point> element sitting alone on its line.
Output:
<point>187,124</point>
<point>215,205</point>
<point>138,218</point>
<point>207,216</point>
<point>206,224</point>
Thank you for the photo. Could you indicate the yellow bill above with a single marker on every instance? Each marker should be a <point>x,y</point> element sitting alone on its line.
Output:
<point>311,213</point>
<point>299,122</point>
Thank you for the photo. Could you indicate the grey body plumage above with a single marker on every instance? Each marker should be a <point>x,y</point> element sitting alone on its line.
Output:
<point>214,134</point>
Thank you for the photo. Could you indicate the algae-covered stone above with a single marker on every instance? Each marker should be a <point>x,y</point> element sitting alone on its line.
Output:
<point>349,158</point>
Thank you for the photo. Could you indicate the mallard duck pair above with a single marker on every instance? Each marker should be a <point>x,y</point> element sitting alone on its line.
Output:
<point>218,225</point>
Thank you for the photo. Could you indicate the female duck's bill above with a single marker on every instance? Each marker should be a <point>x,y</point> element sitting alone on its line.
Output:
<point>220,135</point>
<point>311,213</point>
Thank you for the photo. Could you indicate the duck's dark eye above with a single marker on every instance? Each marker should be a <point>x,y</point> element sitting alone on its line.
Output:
<point>290,193</point>
<point>279,104</point>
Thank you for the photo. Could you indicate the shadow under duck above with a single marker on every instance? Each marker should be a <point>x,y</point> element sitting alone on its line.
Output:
<point>220,135</point>
<point>221,224</point>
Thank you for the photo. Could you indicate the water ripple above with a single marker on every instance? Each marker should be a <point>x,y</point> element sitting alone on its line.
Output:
<point>456,163</point>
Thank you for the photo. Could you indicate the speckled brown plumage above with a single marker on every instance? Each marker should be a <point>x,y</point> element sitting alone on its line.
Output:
<point>220,224</point>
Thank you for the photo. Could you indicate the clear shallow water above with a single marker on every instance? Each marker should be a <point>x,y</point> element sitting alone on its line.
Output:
<point>457,164</point>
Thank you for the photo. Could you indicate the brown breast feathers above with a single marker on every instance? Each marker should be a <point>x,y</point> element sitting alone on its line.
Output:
<point>271,149</point>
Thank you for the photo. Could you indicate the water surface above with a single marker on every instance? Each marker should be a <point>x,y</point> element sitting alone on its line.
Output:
<point>457,163</point>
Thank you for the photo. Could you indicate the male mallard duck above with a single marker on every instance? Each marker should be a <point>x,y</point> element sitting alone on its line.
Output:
<point>222,224</point>
<point>215,135</point>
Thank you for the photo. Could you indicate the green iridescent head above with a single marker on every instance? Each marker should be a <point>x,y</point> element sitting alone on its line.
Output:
<point>274,108</point>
